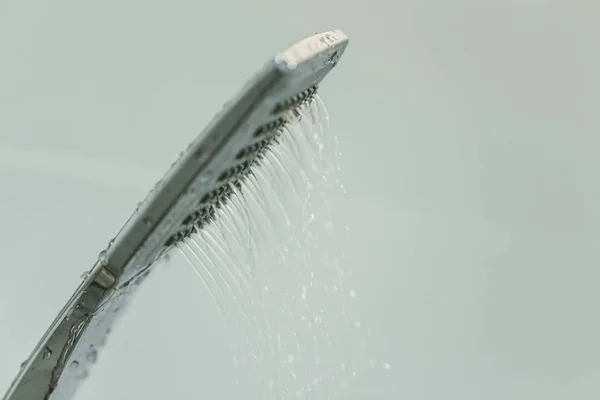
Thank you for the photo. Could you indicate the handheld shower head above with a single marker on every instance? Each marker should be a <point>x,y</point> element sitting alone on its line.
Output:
<point>200,179</point>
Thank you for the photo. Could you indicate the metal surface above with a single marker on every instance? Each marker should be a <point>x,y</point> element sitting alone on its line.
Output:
<point>201,178</point>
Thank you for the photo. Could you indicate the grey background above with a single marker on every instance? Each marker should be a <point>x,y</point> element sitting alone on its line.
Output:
<point>470,131</point>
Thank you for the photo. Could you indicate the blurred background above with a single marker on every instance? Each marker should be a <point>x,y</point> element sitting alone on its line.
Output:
<point>470,131</point>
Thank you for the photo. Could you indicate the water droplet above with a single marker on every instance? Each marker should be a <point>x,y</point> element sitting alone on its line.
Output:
<point>81,373</point>
<point>205,177</point>
<point>148,221</point>
<point>387,366</point>
<point>291,358</point>
<point>92,356</point>
<point>84,275</point>
<point>46,353</point>
<point>352,294</point>
<point>357,324</point>
<point>102,254</point>
<point>74,365</point>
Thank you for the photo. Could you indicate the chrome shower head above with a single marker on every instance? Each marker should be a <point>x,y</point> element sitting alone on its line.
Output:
<point>199,180</point>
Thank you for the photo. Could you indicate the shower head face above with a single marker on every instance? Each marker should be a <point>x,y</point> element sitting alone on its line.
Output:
<point>200,179</point>
<point>225,150</point>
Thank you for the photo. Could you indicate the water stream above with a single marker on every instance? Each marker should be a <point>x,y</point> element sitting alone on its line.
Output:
<point>273,262</point>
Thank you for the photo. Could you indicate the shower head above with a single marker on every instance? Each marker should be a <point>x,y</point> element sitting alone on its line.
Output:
<point>199,180</point>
